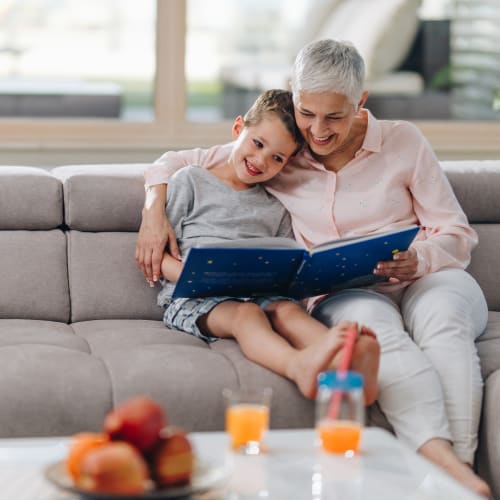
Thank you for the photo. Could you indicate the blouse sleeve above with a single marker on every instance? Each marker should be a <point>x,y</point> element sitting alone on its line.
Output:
<point>446,238</point>
<point>161,171</point>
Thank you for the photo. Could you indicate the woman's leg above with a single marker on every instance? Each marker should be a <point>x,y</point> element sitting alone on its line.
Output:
<point>410,392</point>
<point>416,415</point>
<point>250,326</point>
<point>444,313</point>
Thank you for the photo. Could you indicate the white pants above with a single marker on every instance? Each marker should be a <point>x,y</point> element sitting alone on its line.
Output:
<point>430,383</point>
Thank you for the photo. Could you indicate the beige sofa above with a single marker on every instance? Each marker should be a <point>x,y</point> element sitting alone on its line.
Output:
<point>80,331</point>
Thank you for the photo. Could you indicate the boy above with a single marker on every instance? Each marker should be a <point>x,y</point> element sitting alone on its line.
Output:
<point>229,203</point>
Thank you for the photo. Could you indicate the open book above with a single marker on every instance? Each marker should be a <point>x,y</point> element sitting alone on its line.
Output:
<point>279,266</point>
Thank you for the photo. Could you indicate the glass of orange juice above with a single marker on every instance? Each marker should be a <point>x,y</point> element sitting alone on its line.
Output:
<point>340,411</point>
<point>247,418</point>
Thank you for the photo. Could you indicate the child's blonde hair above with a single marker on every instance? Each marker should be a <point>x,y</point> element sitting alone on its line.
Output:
<point>279,103</point>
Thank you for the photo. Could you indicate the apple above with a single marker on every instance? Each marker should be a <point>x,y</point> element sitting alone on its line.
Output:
<point>172,461</point>
<point>116,467</point>
<point>137,421</point>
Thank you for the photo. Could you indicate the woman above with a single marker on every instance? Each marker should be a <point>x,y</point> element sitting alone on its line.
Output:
<point>360,175</point>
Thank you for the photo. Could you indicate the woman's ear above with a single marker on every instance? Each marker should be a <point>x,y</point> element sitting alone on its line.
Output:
<point>237,127</point>
<point>363,99</point>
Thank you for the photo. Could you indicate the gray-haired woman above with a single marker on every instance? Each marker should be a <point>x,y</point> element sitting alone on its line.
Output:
<point>356,176</point>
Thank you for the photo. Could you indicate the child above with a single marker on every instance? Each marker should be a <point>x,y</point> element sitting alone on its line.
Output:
<point>228,203</point>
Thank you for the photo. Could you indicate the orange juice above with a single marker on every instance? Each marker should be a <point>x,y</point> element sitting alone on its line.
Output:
<point>339,436</point>
<point>246,422</point>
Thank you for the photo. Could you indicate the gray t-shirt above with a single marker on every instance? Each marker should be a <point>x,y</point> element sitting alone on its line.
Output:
<point>205,210</point>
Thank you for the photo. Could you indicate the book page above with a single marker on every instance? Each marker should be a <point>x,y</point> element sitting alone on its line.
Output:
<point>271,242</point>
<point>342,241</point>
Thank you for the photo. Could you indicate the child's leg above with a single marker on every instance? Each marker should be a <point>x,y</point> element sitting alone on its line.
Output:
<point>293,322</point>
<point>249,325</point>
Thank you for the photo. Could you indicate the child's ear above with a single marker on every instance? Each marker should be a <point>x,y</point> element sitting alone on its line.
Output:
<point>237,127</point>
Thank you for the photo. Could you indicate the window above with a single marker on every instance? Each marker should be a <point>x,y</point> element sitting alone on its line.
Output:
<point>184,94</point>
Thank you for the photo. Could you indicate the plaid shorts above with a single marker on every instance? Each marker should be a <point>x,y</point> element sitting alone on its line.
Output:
<point>182,314</point>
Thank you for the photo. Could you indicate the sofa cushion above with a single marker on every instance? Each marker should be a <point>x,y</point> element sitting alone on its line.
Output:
<point>483,265</point>
<point>34,278</point>
<point>187,380</point>
<point>285,393</point>
<point>477,186</point>
<point>30,198</point>
<point>488,453</point>
<point>488,345</point>
<point>29,332</point>
<point>51,390</point>
<point>104,280</point>
<point>102,197</point>
<point>105,336</point>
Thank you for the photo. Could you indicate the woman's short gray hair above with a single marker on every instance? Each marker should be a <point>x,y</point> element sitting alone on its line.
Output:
<point>329,66</point>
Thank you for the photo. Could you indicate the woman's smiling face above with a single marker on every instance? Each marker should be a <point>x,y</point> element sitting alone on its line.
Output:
<point>325,120</point>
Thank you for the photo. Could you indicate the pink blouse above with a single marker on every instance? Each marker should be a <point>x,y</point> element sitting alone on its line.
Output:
<point>393,181</point>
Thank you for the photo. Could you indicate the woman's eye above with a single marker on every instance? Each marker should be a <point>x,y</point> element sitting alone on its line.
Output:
<point>278,159</point>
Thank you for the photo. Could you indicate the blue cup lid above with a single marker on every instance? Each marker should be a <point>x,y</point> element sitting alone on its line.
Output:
<point>340,380</point>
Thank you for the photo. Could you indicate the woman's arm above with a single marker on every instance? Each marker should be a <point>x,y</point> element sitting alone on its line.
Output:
<point>156,233</point>
<point>446,239</point>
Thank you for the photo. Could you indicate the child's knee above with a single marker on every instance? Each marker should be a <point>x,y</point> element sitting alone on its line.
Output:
<point>283,310</point>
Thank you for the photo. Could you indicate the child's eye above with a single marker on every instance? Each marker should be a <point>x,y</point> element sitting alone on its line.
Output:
<point>258,143</point>
<point>278,159</point>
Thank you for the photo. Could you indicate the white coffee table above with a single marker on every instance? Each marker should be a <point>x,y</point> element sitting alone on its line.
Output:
<point>293,468</point>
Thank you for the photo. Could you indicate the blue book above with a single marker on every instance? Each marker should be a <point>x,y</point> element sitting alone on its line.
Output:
<point>277,266</point>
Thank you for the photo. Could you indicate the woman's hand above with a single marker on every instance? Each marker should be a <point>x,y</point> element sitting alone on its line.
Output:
<point>155,235</point>
<point>403,267</point>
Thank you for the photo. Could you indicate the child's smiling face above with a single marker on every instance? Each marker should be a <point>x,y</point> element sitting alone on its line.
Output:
<point>262,150</point>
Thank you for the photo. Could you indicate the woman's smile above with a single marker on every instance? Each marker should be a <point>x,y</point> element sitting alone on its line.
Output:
<point>321,141</point>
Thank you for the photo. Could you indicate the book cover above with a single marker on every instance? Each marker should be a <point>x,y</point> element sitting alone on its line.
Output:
<point>254,271</point>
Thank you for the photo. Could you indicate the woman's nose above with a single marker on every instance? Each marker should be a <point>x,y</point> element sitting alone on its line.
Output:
<point>318,126</point>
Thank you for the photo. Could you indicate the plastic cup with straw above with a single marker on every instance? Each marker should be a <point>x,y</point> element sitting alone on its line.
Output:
<point>340,404</point>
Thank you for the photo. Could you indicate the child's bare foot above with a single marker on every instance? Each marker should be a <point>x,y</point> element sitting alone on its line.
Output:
<point>365,360</point>
<point>440,453</point>
<point>309,362</point>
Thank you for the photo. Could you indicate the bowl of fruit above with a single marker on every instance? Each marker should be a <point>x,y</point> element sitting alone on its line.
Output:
<point>136,455</point>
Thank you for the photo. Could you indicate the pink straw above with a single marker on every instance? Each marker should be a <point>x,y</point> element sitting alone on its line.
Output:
<point>349,342</point>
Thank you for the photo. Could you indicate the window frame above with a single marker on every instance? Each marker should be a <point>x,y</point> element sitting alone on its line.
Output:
<point>171,130</point>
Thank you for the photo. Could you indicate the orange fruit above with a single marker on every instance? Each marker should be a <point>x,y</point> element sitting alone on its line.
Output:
<point>81,444</point>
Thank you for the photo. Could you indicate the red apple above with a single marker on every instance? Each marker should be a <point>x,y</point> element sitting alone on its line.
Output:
<point>172,460</point>
<point>115,467</point>
<point>137,421</point>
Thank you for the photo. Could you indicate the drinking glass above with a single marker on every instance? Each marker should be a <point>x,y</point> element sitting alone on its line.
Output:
<point>247,418</point>
<point>340,411</point>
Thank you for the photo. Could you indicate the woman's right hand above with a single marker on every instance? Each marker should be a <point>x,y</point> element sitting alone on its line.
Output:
<point>156,235</point>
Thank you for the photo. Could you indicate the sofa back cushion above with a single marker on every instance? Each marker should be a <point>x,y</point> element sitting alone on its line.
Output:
<point>102,208</point>
<point>484,265</point>
<point>104,280</point>
<point>102,197</point>
<point>30,198</point>
<point>33,263</point>
<point>477,187</point>
<point>34,278</point>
